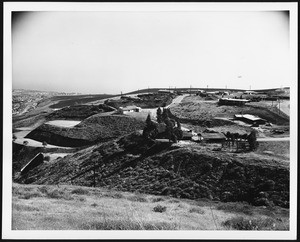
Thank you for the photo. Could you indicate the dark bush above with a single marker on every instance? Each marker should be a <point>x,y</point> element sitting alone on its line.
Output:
<point>159,208</point>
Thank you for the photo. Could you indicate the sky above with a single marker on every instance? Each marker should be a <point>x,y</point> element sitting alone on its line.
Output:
<point>112,52</point>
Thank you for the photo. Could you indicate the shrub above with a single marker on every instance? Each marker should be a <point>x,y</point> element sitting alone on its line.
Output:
<point>244,208</point>
<point>43,189</point>
<point>196,210</point>
<point>241,223</point>
<point>137,199</point>
<point>59,194</point>
<point>159,208</point>
<point>157,199</point>
<point>80,191</point>
<point>126,225</point>
<point>30,194</point>
<point>114,195</point>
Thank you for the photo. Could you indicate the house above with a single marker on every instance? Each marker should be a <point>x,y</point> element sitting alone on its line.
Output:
<point>129,109</point>
<point>250,119</point>
<point>34,162</point>
<point>232,101</point>
<point>249,92</point>
<point>187,133</point>
<point>213,137</point>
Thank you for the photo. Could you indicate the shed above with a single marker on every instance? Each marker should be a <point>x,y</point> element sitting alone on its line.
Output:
<point>251,119</point>
<point>213,137</point>
<point>232,101</point>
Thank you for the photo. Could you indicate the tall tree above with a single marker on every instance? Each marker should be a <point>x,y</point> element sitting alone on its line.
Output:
<point>252,140</point>
<point>148,120</point>
<point>165,115</point>
<point>159,115</point>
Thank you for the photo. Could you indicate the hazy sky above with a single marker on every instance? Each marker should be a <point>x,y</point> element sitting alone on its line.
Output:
<point>110,52</point>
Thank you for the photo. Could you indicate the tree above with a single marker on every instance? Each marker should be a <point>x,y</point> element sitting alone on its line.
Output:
<point>164,115</point>
<point>150,130</point>
<point>253,144</point>
<point>169,128</point>
<point>159,115</point>
<point>148,120</point>
<point>14,137</point>
<point>25,142</point>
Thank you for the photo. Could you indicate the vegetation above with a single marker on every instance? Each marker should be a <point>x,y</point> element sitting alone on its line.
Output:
<point>172,126</point>
<point>145,101</point>
<point>193,109</point>
<point>241,223</point>
<point>42,207</point>
<point>79,112</point>
<point>132,163</point>
<point>71,100</point>
<point>91,130</point>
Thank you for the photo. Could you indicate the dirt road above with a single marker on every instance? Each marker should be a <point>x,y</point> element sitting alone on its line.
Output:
<point>177,100</point>
<point>274,139</point>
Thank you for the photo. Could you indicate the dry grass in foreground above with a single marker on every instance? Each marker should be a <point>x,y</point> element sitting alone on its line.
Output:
<point>45,207</point>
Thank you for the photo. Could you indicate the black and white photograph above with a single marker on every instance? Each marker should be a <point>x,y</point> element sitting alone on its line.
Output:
<point>150,120</point>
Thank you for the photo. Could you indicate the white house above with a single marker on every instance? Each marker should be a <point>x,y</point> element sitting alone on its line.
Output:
<point>129,109</point>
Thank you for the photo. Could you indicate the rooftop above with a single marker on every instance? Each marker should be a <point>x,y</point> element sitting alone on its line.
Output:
<point>233,99</point>
<point>213,136</point>
<point>248,116</point>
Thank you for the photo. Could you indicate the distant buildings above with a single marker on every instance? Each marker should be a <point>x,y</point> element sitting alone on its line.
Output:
<point>164,91</point>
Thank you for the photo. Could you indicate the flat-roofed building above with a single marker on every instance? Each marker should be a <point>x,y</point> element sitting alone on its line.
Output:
<point>213,137</point>
<point>129,109</point>
<point>233,101</point>
<point>251,119</point>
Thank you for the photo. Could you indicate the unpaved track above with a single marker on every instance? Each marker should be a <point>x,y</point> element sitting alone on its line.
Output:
<point>274,139</point>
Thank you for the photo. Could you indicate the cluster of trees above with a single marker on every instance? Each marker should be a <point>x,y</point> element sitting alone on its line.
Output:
<point>164,117</point>
<point>235,138</point>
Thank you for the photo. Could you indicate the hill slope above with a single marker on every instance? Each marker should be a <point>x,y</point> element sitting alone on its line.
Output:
<point>131,163</point>
<point>93,129</point>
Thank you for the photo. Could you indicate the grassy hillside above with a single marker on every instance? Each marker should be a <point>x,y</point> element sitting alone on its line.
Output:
<point>93,129</point>
<point>194,109</point>
<point>79,112</point>
<point>132,163</point>
<point>40,207</point>
<point>64,101</point>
